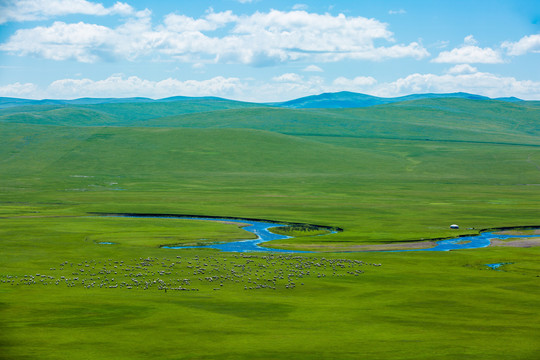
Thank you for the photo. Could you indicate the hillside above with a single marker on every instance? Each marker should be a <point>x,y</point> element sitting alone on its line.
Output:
<point>377,189</point>
<point>434,119</point>
<point>8,102</point>
<point>400,171</point>
<point>343,99</point>
<point>428,119</point>
<point>162,152</point>
<point>347,99</point>
<point>116,112</point>
<point>59,116</point>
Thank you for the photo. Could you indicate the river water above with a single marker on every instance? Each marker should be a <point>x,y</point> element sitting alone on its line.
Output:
<point>261,230</point>
<point>470,242</point>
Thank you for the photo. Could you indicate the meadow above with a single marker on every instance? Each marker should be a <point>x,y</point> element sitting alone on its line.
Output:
<point>386,174</point>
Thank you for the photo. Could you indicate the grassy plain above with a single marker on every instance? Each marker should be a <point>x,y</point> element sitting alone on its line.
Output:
<point>417,305</point>
<point>386,174</point>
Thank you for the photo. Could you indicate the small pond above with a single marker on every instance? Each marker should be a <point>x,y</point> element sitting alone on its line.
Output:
<point>496,266</point>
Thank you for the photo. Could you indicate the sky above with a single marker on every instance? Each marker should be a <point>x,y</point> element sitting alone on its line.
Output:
<point>265,51</point>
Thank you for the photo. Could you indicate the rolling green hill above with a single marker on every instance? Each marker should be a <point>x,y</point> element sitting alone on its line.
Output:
<point>113,113</point>
<point>125,113</point>
<point>60,116</point>
<point>432,119</point>
<point>371,171</point>
<point>378,172</point>
<point>427,119</point>
<point>346,99</point>
<point>454,119</point>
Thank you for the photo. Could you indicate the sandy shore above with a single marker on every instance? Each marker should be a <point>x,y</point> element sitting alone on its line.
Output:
<point>519,232</point>
<point>378,247</point>
<point>239,224</point>
<point>387,247</point>
<point>523,242</point>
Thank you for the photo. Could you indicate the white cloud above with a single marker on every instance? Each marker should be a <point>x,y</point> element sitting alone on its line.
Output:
<point>358,84</point>
<point>481,83</point>
<point>221,18</point>
<point>460,78</point>
<point>86,43</point>
<point>312,68</point>
<point>526,44</point>
<point>462,69</point>
<point>60,41</point>
<point>300,7</point>
<point>441,44</point>
<point>469,54</point>
<point>259,39</point>
<point>311,24</point>
<point>212,21</point>
<point>180,23</point>
<point>120,86</point>
<point>414,50</point>
<point>288,77</point>
<point>19,90</point>
<point>470,40</point>
<point>288,86</point>
<point>284,90</point>
<point>25,10</point>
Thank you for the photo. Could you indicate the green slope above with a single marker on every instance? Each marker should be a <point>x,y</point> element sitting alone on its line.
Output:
<point>346,99</point>
<point>448,119</point>
<point>153,152</point>
<point>60,116</point>
<point>113,113</point>
<point>157,151</point>
<point>128,112</point>
<point>377,189</point>
<point>432,119</point>
<point>393,172</point>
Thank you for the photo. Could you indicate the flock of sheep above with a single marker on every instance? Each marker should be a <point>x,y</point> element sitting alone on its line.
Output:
<point>193,273</point>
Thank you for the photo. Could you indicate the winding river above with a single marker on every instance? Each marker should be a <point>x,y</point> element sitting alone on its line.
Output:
<point>261,229</point>
<point>470,242</point>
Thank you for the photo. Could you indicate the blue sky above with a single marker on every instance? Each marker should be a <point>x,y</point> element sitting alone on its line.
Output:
<point>263,50</point>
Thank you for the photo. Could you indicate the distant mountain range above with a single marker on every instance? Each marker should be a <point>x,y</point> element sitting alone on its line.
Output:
<point>6,102</point>
<point>343,99</point>
<point>347,99</point>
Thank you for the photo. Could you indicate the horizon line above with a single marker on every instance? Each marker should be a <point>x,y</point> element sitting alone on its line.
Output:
<point>266,102</point>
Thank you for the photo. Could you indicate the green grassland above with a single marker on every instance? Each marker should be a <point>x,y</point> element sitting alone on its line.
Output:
<point>416,305</point>
<point>384,174</point>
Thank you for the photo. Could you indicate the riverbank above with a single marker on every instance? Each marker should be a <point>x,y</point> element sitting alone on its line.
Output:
<point>418,245</point>
<point>261,229</point>
<point>521,243</point>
